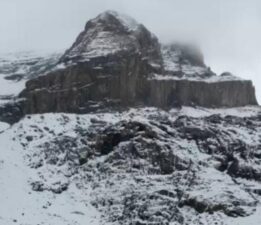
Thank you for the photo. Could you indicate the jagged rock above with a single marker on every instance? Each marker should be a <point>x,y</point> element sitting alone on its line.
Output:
<point>184,61</point>
<point>113,136</point>
<point>112,33</point>
<point>108,61</point>
<point>12,112</point>
<point>126,140</point>
<point>206,207</point>
<point>244,171</point>
<point>149,166</point>
<point>57,188</point>
<point>60,187</point>
<point>116,62</point>
<point>37,186</point>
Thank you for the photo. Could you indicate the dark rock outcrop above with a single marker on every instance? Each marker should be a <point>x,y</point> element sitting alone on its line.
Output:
<point>117,62</point>
<point>12,112</point>
<point>231,93</point>
<point>78,87</point>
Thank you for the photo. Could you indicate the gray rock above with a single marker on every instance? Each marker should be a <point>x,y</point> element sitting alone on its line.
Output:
<point>113,64</point>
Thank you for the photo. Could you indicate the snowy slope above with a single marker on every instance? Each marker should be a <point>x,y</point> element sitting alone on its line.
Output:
<point>17,68</point>
<point>43,180</point>
<point>22,205</point>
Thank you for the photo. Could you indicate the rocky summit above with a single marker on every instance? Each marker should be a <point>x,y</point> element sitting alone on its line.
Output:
<point>116,61</point>
<point>123,130</point>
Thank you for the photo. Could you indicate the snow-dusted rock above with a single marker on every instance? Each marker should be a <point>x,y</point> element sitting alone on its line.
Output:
<point>142,166</point>
<point>111,33</point>
<point>117,62</point>
<point>184,61</point>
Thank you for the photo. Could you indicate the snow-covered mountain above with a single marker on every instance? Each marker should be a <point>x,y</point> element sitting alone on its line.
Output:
<point>81,143</point>
<point>112,33</point>
<point>117,62</point>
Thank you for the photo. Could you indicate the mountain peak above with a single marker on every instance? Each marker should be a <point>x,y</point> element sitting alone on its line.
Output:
<point>116,62</point>
<point>127,21</point>
<point>111,33</point>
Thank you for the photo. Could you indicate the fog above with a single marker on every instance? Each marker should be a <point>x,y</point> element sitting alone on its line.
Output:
<point>227,31</point>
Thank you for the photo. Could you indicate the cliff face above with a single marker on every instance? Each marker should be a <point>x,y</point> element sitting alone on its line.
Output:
<point>207,94</point>
<point>117,62</point>
<point>80,87</point>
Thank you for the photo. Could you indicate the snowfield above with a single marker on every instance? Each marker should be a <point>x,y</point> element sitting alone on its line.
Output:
<point>43,182</point>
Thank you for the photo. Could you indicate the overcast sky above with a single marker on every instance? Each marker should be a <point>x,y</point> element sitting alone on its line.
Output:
<point>228,31</point>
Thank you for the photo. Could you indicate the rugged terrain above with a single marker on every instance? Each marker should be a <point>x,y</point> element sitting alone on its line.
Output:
<point>116,61</point>
<point>141,166</point>
<point>79,144</point>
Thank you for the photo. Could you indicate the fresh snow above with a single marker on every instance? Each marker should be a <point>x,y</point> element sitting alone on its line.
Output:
<point>130,23</point>
<point>19,203</point>
<point>98,42</point>
<point>195,71</point>
<point>24,65</point>
<point>9,87</point>
<point>174,62</point>
<point>3,126</point>
<point>204,112</point>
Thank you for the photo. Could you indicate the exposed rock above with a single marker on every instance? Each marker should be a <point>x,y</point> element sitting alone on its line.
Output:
<point>111,33</point>
<point>57,188</point>
<point>12,112</point>
<point>76,88</point>
<point>207,207</point>
<point>37,186</point>
<point>184,61</point>
<point>231,93</point>
<point>138,141</point>
<point>116,62</point>
<point>148,166</point>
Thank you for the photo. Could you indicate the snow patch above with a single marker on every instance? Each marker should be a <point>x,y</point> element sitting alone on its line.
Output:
<point>130,23</point>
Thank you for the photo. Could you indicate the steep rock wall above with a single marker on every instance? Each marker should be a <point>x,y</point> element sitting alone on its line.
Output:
<point>166,93</point>
<point>79,87</point>
<point>114,62</point>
